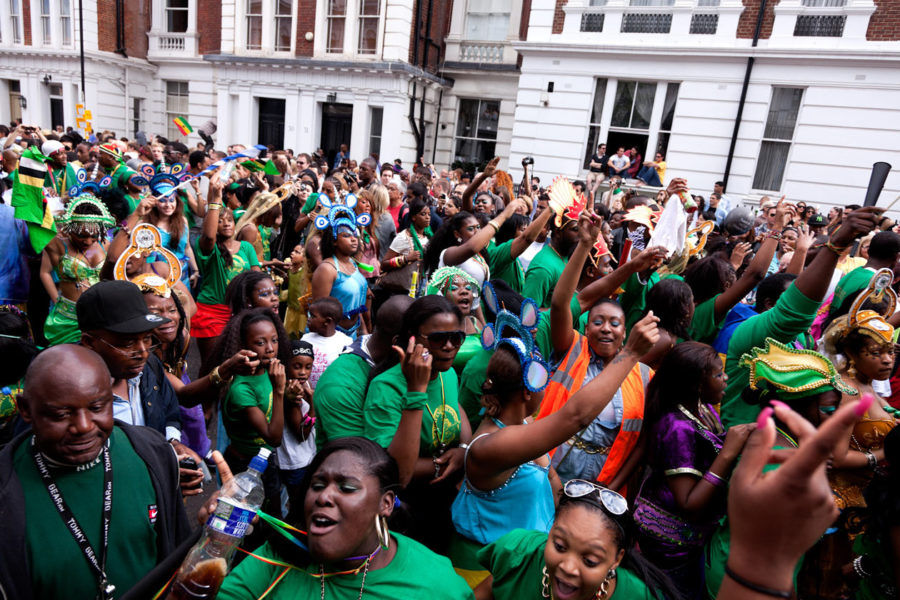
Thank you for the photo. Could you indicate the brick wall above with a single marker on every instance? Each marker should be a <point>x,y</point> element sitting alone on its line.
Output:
<point>137,24</point>
<point>441,12</point>
<point>25,7</point>
<point>526,15</point>
<point>884,25</point>
<point>306,21</point>
<point>106,25</point>
<point>209,26</point>
<point>559,17</point>
<point>747,22</point>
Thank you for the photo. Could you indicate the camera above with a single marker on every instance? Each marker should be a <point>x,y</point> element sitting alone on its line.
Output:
<point>528,160</point>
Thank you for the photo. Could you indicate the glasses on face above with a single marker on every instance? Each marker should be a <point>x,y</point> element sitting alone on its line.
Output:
<point>134,348</point>
<point>441,338</point>
<point>612,501</point>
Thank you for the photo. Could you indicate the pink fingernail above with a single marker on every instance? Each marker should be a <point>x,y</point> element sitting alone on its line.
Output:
<point>763,419</point>
<point>779,404</point>
<point>864,404</point>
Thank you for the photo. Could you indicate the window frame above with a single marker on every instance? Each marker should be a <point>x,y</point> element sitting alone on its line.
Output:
<point>66,32</point>
<point>476,129</point>
<point>375,148</point>
<point>187,16</point>
<point>469,13</point>
<point>172,132</point>
<point>268,31</point>
<point>46,21</point>
<point>16,21</point>
<point>770,140</point>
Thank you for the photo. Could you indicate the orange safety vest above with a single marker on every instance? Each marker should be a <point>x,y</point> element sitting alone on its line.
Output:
<point>567,380</point>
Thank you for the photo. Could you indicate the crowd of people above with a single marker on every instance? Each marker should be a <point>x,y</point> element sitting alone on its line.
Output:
<point>472,388</point>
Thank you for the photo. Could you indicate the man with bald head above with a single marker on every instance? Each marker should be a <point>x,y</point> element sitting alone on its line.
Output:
<point>341,389</point>
<point>102,497</point>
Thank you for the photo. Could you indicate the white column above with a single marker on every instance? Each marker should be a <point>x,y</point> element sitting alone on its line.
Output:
<point>248,133</point>
<point>292,120</point>
<point>359,130</point>
<point>223,117</point>
<point>609,100</point>
<point>659,102</point>
<point>308,119</point>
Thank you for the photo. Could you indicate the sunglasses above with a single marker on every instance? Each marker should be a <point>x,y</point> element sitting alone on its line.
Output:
<point>613,502</point>
<point>441,338</point>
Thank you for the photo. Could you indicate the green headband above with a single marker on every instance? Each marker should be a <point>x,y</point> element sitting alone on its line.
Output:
<point>71,217</point>
<point>792,373</point>
<point>444,276</point>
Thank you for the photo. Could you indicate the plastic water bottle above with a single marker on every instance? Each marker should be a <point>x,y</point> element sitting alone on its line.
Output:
<point>206,565</point>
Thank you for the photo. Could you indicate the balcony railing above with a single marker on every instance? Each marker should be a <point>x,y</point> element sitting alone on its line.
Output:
<point>172,44</point>
<point>481,52</point>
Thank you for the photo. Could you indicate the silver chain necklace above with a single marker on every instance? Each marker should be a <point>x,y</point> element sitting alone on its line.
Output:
<point>361,588</point>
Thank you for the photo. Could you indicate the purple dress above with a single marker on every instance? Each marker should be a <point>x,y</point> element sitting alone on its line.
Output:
<point>677,445</point>
<point>193,426</point>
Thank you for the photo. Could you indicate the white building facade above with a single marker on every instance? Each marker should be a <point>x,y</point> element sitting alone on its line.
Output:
<point>822,103</point>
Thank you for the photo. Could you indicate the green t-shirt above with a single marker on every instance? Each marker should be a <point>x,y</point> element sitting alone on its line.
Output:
<point>247,391</point>
<point>387,397</point>
<point>634,298</point>
<point>216,275</point>
<point>60,179</point>
<point>414,572</point>
<point>792,315</point>
<point>516,562</point>
<point>339,399</point>
<point>849,286</point>
<point>704,327</point>
<point>118,172</point>
<point>543,273</point>
<point>265,240</point>
<point>504,266</point>
<point>59,569</point>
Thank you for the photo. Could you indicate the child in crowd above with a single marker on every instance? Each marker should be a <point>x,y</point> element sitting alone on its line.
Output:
<point>296,294</point>
<point>298,446</point>
<point>324,314</point>
<point>253,410</point>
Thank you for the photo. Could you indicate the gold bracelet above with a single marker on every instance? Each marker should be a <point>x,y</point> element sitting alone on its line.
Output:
<point>214,206</point>
<point>216,379</point>
<point>495,226</point>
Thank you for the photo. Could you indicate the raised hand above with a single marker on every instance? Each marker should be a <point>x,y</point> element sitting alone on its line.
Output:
<point>416,365</point>
<point>643,336</point>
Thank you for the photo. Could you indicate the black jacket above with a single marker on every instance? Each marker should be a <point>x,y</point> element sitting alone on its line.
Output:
<point>172,524</point>
<point>158,398</point>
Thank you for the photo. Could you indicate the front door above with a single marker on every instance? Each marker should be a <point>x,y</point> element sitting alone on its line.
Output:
<point>336,125</point>
<point>271,122</point>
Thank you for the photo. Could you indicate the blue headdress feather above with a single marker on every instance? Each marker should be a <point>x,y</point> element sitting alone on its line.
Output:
<point>341,215</point>
<point>535,370</point>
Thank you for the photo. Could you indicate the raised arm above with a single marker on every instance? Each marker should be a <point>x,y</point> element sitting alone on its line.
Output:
<point>476,183</point>
<point>561,332</point>
<point>211,221</point>
<point>456,255</point>
<point>513,446</point>
<point>606,287</point>
<point>531,233</point>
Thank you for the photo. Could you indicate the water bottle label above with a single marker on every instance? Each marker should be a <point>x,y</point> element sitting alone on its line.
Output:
<point>231,519</point>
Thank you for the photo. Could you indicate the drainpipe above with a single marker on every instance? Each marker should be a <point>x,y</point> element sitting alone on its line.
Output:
<point>120,28</point>
<point>415,61</point>
<point>437,122</point>
<point>742,101</point>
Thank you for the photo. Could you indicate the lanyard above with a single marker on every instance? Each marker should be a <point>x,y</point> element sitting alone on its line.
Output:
<point>105,589</point>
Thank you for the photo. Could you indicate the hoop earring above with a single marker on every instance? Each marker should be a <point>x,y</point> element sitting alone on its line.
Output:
<point>603,592</point>
<point>381,529</point>
<point>545,584</point>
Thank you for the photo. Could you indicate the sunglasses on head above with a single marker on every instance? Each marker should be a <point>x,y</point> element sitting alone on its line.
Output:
<point>612,501</point>
<point>440,338</point>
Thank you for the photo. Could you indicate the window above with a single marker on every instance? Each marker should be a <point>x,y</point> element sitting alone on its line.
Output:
<point>375,130</point>
<point>369,11</point>
<point>46,35</point>
<point>634,103</point>
<point>254,24</point>
<point>488,20</point>
<point>176,16</point>
<point>15,20</point>
<point>592,22</point>
<point>705,24</point>
<point>594,128</point>
<point>646,23</point>
<point>337,20</point>
<point>776,143</point>
<point>476,130</point>
<point>668,116</point>
<point>283,20</point>
<point>65,22</point>
<point>819,25</point>
<point>136,116</point>
<point>177,105</point>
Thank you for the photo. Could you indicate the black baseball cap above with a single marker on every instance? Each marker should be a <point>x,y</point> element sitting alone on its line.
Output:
<point>817,220</point>
<point>739,221</point>
<point>116,306</point>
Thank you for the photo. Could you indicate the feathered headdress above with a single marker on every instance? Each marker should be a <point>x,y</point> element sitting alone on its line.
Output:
<point>95,222</point>
<point>517,333</point>
<point>564,201</point>
<point>340,215</point>
<point>792,373</point>
<point>866,321</point>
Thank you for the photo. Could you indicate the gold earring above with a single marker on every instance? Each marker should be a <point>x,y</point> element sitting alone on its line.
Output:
<point>603,592</point>
<point>851,370</point>
<point>545,584</point>
<point>381,529</point>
